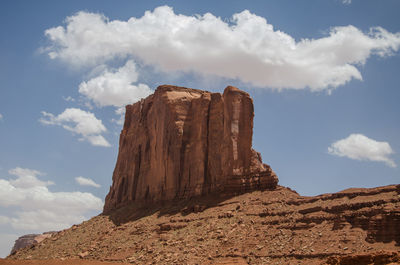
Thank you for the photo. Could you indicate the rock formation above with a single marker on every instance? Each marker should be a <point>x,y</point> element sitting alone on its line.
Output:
<point>24,241</point>
<point>355,226</point>
<point>29,240</point>
<point>180,143</point>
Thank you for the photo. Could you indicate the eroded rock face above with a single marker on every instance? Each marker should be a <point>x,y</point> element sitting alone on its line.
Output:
<point>180,143</point>
<point>24,241</point>
<point>29,240</point>
<point>261,227</point>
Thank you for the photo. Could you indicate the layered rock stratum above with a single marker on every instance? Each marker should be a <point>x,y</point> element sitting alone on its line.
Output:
<point>189,189</point>
<point>29,240</point>
<point>180,143</point>
<point>355,226</point>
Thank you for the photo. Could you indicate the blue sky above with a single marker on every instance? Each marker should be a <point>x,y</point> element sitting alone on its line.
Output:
<point>323,77</point>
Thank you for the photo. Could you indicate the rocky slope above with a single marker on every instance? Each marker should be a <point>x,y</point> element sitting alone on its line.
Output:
<point>356,226</point>
<point>180,142</point>
<point>28,240</point>
<point>184,163</point>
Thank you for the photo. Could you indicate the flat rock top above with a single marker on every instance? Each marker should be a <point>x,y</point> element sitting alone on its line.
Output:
<point>171,88</point>
<point>175,92</point>
<point>178,94</point>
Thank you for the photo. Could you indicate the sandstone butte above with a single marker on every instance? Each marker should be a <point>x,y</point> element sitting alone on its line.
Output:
<point>181,143</point>
<point>189,189</point>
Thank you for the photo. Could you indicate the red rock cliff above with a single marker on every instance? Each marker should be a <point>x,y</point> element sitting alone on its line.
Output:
<point>180,143</point>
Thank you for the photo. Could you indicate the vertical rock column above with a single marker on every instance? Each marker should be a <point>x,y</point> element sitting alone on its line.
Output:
<point>180,142</point>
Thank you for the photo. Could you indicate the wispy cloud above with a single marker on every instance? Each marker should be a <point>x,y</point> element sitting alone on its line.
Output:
<point>69,99</point>
<point>81,122</point>
<point>86,182</point>
<point>360,147</point>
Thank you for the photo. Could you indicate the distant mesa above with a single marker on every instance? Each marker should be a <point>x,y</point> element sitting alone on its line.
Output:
<point>181,143</point>
<point>29,240</point>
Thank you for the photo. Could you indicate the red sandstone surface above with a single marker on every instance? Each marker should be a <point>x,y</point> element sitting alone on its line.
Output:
<point>57,262</point>
<point>261,227</point>
<point>28,240</point>
<point>180,143</point>
<point>184,163</point>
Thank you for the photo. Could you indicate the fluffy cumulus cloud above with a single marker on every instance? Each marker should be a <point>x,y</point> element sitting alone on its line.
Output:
<point>247,48</point>
<point>38,208</point>
<point>115,88</point>
<point>86,182</point>
<point>360,147</point>
<point>79,122</point>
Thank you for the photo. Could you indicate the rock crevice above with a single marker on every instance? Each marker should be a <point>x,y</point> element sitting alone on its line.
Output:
<point>180,143</point>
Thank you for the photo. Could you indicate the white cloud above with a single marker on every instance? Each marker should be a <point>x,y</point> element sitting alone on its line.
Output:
<point>247,48</point>
<point>86,182</point>
<point>43,220</point>
<point>114,88</point>
<point>1,116</point>
<point>40,209</point>
<point>27,178</point>
<point>6,243</point>
<point>121,113</point>
<point>360,147</point>
<point>346,2</point>
<point>69,99</point>
<point>4,220</point>
<point>97,140</point>
<point>80,122</point>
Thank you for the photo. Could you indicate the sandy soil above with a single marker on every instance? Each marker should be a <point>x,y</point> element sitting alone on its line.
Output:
<point>58,262</point>
<point>223,261</point>
<point>358,226</point>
